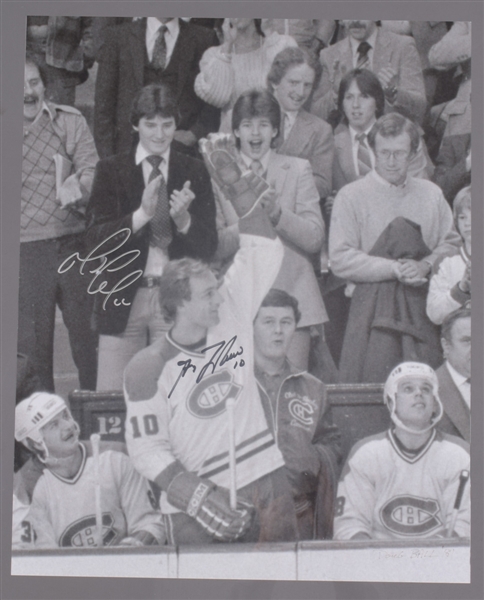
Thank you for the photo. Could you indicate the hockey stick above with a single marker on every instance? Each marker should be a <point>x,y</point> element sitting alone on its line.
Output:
<point>464,476</point>
<point>230,404</point>
<point>95,438</point>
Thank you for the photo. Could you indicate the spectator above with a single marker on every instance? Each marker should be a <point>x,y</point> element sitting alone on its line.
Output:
<point>63,509</point>
<point>52,230</point>
<point>58,44</point>
<point>157,204</point>
<point>387,231</point>
<point>291,79</point>
<point>149,51</point>
<point>310,34</point>
<point>294,211</point>
<point>454,158</point>
<point>450,285</point>
<point>361,101</point>
<point>295,407</point>
<point>178,432</point>
<point>411,469</point>
<point>455,374</point>
<point>241,63</point>
<point>392,57</point>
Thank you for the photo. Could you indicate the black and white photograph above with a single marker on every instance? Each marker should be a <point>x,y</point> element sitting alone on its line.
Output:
<point>244,300</point>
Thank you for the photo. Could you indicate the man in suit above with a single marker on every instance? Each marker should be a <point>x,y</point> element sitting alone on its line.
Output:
<point>455,374</point>
<point>392,57</point>
<point>147,207</point>
<point>145,51</point>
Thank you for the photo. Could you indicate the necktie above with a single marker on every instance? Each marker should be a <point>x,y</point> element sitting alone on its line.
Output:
<point>257,167</point>
<point>363,155</point>
<point>160,225</point>
<point>159,51</point>
<point>363,59</point>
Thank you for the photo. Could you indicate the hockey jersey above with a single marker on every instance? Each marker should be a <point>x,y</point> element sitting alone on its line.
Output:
<point>176,397</point>
<point>62,513</point>
<point>386,494</point>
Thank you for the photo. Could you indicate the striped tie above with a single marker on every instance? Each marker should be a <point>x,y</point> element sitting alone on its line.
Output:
<point>364,158</point>
<point>160,224</point>
<point>363,58</point>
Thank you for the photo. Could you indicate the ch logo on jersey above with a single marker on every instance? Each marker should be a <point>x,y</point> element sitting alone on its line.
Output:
<point>82,533</point>
<point>409,515</point>
<point>301,410</point>
<point>207,399</point>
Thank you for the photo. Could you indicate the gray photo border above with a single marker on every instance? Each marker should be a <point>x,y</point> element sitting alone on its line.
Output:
<point>12,47</point>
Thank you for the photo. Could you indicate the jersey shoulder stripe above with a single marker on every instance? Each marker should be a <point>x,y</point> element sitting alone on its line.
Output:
<point>144,370</point>
<point>442,436</point>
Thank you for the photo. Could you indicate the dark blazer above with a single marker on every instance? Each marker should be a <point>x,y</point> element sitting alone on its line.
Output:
<point>116,193</point>
<point>120,76</point>
<point>457,416</point>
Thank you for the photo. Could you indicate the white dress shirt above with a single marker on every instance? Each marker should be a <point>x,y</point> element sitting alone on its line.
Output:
<point>171,36</point>
<point>355,144</point>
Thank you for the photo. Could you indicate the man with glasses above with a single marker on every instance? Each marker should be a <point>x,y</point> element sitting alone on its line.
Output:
<point>389,228</point>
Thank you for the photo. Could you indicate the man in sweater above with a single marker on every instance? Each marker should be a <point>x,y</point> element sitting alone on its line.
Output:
<point>364,210</point>
<point>56,141</point>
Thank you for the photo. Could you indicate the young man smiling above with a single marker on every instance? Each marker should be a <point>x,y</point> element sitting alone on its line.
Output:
<point>163,201</point>
<point>403,483</point>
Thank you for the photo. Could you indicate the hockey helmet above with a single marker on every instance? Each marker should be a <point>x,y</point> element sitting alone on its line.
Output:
<point>411,369</point>
<point>33,413</point>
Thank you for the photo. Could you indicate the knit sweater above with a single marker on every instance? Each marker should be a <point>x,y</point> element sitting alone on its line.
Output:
<point>223,78</point>
<point>364,208</point>
<point>58,130</point>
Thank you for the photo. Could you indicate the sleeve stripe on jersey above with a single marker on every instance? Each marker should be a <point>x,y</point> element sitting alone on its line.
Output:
<point>239,459</point>
<point>247,442</point>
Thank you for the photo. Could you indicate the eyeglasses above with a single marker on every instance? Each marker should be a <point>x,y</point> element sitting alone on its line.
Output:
<point>398,155</point>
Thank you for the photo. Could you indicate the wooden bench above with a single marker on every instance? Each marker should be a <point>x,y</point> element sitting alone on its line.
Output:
<point>357,409</point>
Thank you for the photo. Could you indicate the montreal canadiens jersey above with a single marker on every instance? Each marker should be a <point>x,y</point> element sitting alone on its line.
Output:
<point>176,398</point>
<point>62,513</point>
<point>389,496</point>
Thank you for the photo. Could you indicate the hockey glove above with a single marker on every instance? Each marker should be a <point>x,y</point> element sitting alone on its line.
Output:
<point>241,186</point>
<point>209,505</point>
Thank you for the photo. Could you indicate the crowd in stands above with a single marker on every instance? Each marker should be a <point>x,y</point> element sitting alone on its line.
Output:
<point>252,209</point>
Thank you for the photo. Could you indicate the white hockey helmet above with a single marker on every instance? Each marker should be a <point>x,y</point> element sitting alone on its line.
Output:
<point>33,413</point>
<point>411,369</point>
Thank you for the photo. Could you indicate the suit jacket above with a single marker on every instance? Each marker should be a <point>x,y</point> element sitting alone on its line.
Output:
<point>116,194</point>
<point>457,415</point>
<point>391,50</point>
<point>300,228</point>
<point>312,138</point>
<point>344,167</point>
<point>120,76</point>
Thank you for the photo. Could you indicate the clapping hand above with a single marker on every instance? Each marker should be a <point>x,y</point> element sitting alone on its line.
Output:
<point>180,201</point>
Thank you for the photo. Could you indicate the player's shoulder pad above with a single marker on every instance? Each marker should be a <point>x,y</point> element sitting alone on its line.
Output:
<point>144,369</point>
<point>362,445</point>
<point>453,439</point>
<point>105,446</point>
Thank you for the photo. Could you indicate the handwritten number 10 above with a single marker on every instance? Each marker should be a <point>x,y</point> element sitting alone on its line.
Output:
<point>150,424</point>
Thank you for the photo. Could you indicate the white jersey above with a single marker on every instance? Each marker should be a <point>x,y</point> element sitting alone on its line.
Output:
<point>388,495</point>
<point>176,397</point>
<point>63,511</point>
<point>22,533</point>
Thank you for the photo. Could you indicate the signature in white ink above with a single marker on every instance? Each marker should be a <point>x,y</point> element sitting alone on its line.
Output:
<point>222,355</point>
<point>97,285</point>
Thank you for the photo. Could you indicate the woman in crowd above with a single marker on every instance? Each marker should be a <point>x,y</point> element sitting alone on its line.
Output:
<point>241,63</point>
<point>450,285</point>
<point>292,78</point>
<point>361,101</point>
<point>294,210</point>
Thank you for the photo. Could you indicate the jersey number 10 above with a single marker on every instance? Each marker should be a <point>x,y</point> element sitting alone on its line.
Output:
<point>150,425</point>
